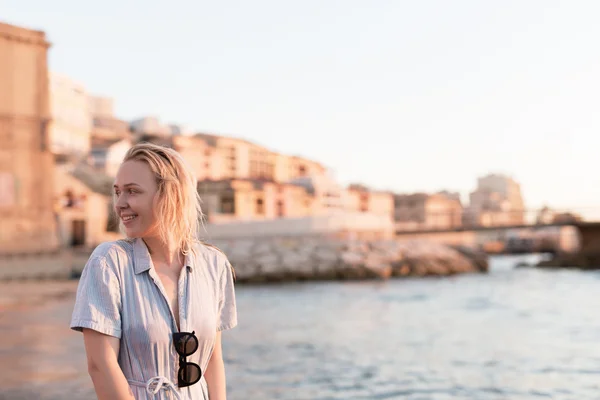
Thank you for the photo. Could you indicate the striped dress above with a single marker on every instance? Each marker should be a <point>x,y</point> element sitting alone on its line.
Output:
<point>120,295</point>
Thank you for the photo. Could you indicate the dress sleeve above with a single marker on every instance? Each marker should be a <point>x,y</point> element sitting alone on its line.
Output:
<point>227,316</point>
<point>98,300</point>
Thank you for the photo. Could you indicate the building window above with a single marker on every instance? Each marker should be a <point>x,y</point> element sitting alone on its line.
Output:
<point>260,207</point>
<point>227,204</point>
<point>280,209</point>
<point>364,202</point>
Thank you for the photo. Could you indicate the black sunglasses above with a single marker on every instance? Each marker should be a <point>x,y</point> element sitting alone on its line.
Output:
<point>186,344</point>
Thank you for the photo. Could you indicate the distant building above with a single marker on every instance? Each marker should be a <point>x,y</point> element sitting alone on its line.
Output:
<point>496,201</point>
<point>328,195</point>
<point>84,206</point>
<point>450,195</point>
<point>176,130</point>
<point>358,198</point>
<point>103,107</point>
<point>300,207</point>
<point>149,125</point>
<point>233,158</point>
<point>26,162</point>
<point>422,211</point>
<point>71,123</point>
<point>107,154</point>
<point>250,200</point>
<point>105,125</point>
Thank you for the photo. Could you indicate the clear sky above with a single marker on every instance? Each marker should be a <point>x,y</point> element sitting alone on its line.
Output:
<point>401,95</point>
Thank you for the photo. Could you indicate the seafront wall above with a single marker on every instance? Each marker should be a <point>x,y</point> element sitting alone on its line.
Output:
<point>277,259</point>
<point>333,258</point>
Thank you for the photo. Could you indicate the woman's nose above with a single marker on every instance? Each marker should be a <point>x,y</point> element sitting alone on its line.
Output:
<point>121,202</point>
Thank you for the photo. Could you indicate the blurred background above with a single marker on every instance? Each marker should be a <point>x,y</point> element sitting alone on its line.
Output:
<point>405,189</point>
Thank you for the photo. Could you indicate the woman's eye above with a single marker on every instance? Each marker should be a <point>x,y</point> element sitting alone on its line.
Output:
<point>132,191</point>
<point>117,193</point>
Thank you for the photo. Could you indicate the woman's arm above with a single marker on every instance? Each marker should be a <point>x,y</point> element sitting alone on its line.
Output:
<point>102,357</point>
<point>215,373</point>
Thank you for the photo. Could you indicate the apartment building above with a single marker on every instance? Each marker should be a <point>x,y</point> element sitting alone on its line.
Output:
<point>422,211</point>
<point>108,154</point>
<point>497,200</point>
<point>71,122</point>
<point>361,199</point>
<point>105,125</point>
<point>251,199</point>
<point>241,159</point>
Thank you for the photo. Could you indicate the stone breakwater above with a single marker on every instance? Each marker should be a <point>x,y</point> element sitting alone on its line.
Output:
<point>326,258</point>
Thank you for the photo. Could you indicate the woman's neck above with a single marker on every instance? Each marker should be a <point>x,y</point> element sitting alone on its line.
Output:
<point>162,252</point>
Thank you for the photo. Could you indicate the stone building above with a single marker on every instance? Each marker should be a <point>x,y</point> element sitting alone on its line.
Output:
<point>70,119</point>
<point>496,201</point>
<point>105,125</point>
<point>84,206</point>
<point>26,163</point>
<point>422,211</point>
<point>364,200</point>
<point>242,159</point>
<point>250,200</point>
<point>107,154</point>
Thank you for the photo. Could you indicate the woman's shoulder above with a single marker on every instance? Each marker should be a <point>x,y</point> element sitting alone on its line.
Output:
<point>214,257</point>
<point>211,252</point>
<point>114,252</point>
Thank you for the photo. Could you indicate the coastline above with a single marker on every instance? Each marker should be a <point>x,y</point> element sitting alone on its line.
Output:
<point>290,259</point>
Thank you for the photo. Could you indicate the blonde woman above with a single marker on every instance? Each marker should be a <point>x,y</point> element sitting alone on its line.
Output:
<point>152,307</point>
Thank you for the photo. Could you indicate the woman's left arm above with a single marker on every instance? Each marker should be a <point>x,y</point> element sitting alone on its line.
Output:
<point>215,373</point>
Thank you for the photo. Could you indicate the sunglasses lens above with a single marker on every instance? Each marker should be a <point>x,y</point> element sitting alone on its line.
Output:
<point>186,344</point>
<point>189,374</point>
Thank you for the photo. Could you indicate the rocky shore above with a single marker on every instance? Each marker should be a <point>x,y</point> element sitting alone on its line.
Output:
<point>295,258</point>
<point>326,258</point>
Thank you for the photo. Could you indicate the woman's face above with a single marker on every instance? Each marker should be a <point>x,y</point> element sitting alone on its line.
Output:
<point>136,197</point>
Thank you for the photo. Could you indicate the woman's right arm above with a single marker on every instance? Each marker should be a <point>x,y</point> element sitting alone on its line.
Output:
<point>102,358</point>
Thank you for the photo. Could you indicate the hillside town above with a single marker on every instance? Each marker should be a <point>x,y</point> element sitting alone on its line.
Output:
<point>62,147</point>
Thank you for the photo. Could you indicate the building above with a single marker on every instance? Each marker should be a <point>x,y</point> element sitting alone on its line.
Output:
<point>149,126</point>
<point>251,200</point>
<point>328,195</point>
<point>108,154</point>
<point>241,208</point>
<point>84,207</point>
<point>177,129</point>
<point>422,211</point>
<point>218,158</point>
<point>496,201</point>
<point>26,162</point>
<point>71,122</point>
<point>204,159</point>
<point>105,125</point>
<point>360,199</point>
<point>241,159</point>
<point>101,107</point>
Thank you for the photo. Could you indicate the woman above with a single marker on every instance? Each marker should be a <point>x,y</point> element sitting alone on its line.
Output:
<point>152,307</point>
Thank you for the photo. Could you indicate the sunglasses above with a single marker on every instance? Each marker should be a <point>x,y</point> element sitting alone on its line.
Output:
<point>186,344</point>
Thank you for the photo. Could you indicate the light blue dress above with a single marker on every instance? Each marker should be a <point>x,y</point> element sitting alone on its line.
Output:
<point>120,295</point>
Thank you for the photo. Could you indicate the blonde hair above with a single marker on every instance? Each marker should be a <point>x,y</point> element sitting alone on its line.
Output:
<point>179,213</point>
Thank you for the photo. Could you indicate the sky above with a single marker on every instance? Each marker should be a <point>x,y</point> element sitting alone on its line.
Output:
<point>399,95</point>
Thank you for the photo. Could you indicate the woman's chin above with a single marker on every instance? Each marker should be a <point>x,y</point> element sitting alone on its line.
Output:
<point>132,233</point>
